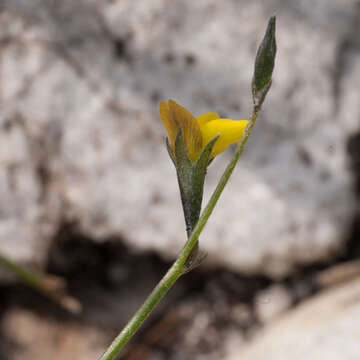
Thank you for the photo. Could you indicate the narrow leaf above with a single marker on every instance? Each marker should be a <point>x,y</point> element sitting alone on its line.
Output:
<point>181,154</point>
<point>204,158</point>
<point>184,170</point>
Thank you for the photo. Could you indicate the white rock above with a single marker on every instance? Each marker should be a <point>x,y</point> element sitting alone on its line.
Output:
<point>320,328</point>
<point>272,302</point>
<point>290,200</point>
<point>52,339</point>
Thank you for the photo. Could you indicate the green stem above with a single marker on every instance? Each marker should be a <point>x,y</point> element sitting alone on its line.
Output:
<point>51,286</point>
<point>30,278</point>
<point>177,268</point>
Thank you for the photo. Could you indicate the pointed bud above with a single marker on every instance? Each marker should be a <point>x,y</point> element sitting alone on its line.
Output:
<point>264,64</point>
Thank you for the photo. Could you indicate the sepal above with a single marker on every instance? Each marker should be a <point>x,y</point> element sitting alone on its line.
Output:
<point>204,159</point>
<point>169,150</point>
<point>191,178</point>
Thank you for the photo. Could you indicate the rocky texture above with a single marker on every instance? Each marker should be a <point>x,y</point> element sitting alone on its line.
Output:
<point>81,139</point>
<point>272,302</point>
<point>53,340</point>
<point>204,317</point>
<point>321,328</point>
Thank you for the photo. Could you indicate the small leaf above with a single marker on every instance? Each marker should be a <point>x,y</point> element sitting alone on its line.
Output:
<point>191,178</point>
<point>194,260</point>
<point>204,159</point>
<point>195,186</point>
<point>264,64</point>
<point>181,154</point>
<point>185,170</point>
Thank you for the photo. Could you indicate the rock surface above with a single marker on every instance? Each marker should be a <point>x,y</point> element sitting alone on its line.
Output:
<point>54,340</point>
<point>81,139</point>
<point>272,302</point>
<point>323,327</point>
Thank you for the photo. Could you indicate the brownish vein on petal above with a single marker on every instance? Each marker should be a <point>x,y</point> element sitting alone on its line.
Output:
<point>170,124</point>
<point>190,127</point>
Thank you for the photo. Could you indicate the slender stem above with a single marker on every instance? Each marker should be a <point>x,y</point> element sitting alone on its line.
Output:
<point>51,286</point>
<point>30,278</point>
<point>177,268</point>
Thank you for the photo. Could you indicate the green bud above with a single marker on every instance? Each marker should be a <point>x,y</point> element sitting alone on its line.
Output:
<point>264,64</point>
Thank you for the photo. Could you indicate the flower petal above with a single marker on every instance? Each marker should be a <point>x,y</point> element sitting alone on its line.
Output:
<point>170,124</point>
<point>191,131</point>
<point>204,118</point>
<point>230,132</point>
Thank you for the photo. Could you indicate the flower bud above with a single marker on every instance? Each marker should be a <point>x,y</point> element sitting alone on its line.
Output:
<point>264,64</point>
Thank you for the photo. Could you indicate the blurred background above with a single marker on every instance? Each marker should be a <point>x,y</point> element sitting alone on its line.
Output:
<point>88,194</point>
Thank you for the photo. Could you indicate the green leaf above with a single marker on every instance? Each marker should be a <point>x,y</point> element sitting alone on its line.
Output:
<point>181,154</point>
<point>195,199</point>
<point>204,158</point>
<point>184,170</point>
<point>264,64</point>
<point>191,178</point>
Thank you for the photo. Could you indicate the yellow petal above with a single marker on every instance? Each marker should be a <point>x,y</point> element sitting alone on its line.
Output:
<point>170,124</point>
<point>191,131</point>
<point>230,132</point>
<point>204,118</point>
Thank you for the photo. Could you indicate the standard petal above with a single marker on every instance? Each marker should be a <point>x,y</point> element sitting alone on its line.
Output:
<point>170,124</point>
<point>191,131</point>
<point>230,132</point>
<point>204,118</point>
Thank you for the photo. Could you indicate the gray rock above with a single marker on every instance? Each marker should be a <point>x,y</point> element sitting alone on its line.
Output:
<point>322,328</point>
<point>86,77</point>
<point>35,337</point>
<point>272,302</point>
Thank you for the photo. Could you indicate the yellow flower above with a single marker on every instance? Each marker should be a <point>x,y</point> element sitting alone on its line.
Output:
<point>198,132</point>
